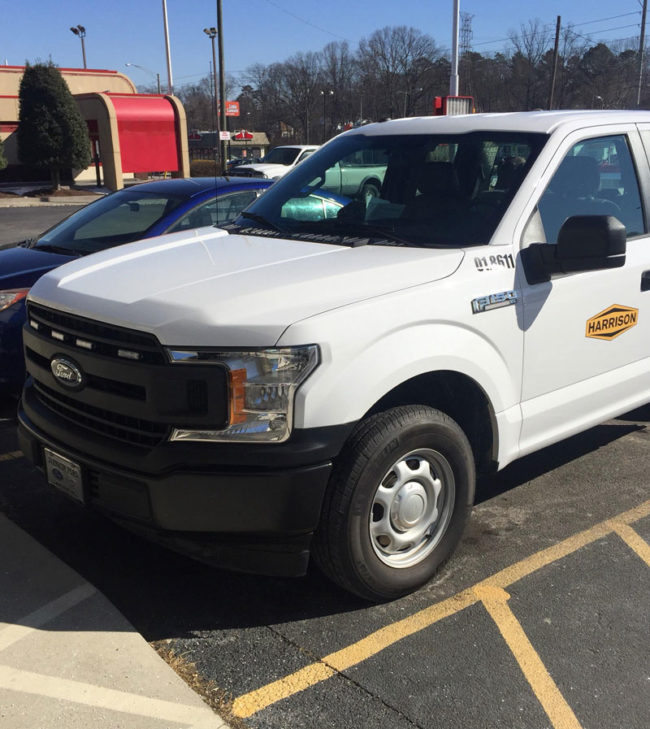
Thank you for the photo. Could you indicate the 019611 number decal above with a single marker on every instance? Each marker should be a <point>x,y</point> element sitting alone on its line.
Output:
<point>488,263</point>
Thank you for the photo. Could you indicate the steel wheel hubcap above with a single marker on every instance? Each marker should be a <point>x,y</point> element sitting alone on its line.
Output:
<point>411,508</point>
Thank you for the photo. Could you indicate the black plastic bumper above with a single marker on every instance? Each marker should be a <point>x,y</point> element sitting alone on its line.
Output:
<point>252,519</point>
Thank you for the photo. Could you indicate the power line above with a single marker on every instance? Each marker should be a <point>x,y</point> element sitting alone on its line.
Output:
<point>306,22</point>
<point>574,25</point>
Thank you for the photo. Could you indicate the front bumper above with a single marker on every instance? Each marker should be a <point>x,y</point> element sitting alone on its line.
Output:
<point>245,517</point>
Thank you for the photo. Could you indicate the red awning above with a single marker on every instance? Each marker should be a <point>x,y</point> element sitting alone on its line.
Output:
<point>147,133</point>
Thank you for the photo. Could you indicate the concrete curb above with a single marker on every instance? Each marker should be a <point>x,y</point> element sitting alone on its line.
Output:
<point>22,202</point>
<point>70,660</point>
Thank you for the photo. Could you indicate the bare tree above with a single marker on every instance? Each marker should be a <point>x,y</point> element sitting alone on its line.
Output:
<point>529,76</point>
<point>393,64</point>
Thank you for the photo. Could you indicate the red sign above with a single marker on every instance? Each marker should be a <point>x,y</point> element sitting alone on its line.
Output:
<point>232,108</point>
<point>243,135</point>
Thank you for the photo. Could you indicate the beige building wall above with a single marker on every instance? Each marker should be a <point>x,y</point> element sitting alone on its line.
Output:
<point>79,81</point>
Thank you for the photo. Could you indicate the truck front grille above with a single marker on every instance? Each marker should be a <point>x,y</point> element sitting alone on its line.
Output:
<point>129,392</point>
<point>89,336</point>
<point>134,431</point>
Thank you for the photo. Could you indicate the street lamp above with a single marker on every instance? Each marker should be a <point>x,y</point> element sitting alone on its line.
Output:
<point>406,96</point>
<point>81,32</point>
<point>325,94</point>
<point>147,70</point>
<point>212,34</point>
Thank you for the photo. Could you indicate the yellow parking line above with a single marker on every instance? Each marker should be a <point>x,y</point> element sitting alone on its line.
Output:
<point>633,540</point>
<point>495,600</point>
<point>254,701</point>
<point>11,456</point>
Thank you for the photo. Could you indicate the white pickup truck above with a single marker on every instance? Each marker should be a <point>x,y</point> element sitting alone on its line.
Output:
<point>276,163</point>
<point>329,383</point>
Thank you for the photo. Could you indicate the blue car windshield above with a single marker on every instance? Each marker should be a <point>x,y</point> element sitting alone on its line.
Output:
<point>124,216</point>
<point>422,190</point>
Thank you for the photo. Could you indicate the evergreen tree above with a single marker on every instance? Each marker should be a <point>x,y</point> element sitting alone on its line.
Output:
<point>51,131</point>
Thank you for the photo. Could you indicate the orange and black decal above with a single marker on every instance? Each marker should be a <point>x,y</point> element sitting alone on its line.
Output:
<point>612,322</point>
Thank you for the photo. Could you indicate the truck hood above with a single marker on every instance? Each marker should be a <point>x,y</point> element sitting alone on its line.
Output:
<point>209,288</point>
<point>270,170</point>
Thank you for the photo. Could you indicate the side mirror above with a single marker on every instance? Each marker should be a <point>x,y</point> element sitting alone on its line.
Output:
<point>584,243</point>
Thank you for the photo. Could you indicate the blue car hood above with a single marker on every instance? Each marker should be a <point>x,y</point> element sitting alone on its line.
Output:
<point>21,267</point>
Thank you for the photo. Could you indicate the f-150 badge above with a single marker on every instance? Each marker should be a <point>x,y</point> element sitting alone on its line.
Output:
<point>612,322</point>
<point>494,301</point>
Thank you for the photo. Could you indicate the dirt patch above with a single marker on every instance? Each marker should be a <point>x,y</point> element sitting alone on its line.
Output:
<point>217,699</point>
<point>61,192</point>
<point>9,194</point>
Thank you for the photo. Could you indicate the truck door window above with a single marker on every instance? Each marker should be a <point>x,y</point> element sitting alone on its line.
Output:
<point>597,177</point>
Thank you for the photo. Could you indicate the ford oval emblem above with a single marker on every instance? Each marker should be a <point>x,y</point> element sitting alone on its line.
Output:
<point>67,373</point>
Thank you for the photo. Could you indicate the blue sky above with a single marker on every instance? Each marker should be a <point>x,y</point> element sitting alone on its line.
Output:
<point>264,31</point>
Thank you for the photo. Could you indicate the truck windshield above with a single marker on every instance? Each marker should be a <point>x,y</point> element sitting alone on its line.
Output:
<point>281,156</point>
<point>416,189</point>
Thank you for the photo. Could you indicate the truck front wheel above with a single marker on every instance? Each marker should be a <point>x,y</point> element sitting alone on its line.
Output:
<point>397,502</point>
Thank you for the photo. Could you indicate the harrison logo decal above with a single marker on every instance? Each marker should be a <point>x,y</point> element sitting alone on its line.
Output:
<point>612,322</point>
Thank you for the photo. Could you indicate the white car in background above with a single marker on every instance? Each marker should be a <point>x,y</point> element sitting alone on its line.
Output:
<point>277,162</point>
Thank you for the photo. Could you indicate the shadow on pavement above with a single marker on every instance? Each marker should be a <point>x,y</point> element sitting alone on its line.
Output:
<point>164,594</point>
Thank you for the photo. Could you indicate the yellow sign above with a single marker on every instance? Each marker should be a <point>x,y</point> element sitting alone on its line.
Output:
<point>612,322</point>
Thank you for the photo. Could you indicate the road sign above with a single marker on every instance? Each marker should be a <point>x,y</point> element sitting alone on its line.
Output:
<point>224,136</point>
<point>232,108</point>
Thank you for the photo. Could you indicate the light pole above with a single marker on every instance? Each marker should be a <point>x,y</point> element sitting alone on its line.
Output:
<point>212,34</point>
<point>325,94</point>
<point>147,70</point>
<point>81,32</point>
<point>170,81</point>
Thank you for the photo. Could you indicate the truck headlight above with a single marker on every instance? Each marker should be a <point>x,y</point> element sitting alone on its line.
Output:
<point>262,386</point>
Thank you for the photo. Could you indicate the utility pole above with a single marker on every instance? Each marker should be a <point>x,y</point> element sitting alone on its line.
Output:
<point>170,82</point>
<point>453,81</point>
<point>556,53</point>
<point>641,50</point>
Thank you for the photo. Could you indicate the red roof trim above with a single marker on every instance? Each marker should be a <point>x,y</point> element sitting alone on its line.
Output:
<point>69,70</point>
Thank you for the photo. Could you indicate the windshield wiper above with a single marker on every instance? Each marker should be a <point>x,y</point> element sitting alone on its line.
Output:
<point>49,248</point>
<point>261,220</point>
<point>362,233</point>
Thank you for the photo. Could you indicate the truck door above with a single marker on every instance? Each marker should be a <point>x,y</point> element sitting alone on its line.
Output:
<point>587,334</point>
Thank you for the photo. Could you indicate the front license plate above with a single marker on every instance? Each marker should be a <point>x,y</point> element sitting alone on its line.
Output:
<point>64,475</point>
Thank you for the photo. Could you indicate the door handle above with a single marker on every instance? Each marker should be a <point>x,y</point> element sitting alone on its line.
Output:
<point>645,281</point>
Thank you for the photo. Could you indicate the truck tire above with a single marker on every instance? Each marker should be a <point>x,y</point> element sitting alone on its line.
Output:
<point>369,189</point>
<point>397,502</point>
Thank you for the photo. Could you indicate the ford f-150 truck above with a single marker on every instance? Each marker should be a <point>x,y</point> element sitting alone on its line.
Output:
<point>330,384</point>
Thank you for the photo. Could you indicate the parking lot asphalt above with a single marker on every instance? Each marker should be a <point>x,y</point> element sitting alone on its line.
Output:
<point>540,620</point>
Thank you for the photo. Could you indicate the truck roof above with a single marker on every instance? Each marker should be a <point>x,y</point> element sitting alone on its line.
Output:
<point>544,122</point>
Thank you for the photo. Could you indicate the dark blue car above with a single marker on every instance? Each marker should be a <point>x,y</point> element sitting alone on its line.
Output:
<point>137,212</point>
